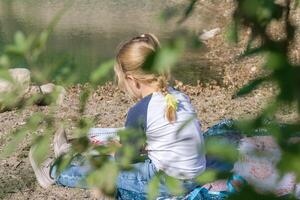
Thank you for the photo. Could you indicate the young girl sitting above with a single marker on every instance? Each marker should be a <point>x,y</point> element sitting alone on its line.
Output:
<point>174,141</point>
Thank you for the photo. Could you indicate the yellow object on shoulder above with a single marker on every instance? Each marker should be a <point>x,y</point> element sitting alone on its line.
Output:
<point>171,101</point>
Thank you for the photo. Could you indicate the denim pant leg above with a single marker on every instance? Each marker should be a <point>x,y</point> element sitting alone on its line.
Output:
<point>137,179</point>
<point>133,184</point>
<point>74,175</point>
<point>134,180</point>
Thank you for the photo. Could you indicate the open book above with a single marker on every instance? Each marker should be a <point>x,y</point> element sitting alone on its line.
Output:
<point>101,136</point>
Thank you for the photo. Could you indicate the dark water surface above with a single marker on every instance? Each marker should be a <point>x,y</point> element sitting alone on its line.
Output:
<point>90,31</point>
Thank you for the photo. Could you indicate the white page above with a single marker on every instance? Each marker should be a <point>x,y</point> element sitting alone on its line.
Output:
<point>101,136</point>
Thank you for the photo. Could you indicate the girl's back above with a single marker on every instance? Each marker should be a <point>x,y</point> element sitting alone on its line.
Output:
<point>175,148</point>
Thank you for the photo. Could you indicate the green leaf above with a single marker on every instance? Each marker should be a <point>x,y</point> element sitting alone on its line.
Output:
<point>250,87</point>
<point>35,120</point>
<point>296,5</point>
<point>81,144</point>
<point>252,51</point>
<point>221,149</point>
<point>249,193</point>
<point>168,14</point>
<point>63,161</point>
<point>232,32</point>
<point>166,57</point>
<point>13,49</point>
<point>174,186</point>
<point>43,38</point>
<point>293,160</point>
<point>153,188</point>
<point>82,127</point>
<point>21,45</point>
<point>260,12</point>
<point>39,43</point>
<point>188,11</point>
<point>4,62</point>
<point>207,177</point>
<point>104,178</point>
<point>17,137</point>
<point>133,141</point>
<point>102,72</point>
<point>20,40</point>
<point>5,75</point>
<point>83,98</point>
<point>41,148</point>
<point>276,60</point>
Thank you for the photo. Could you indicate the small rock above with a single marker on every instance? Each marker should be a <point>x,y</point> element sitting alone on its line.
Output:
<point>5,86</point>
<point>61,95</point>
<point>13,90</point>
<point>47,88</point>
<point>50,89</point>
<point>253,69</point>
<point>21,77</point>
<point>209,34</point>
<point>34,92</point>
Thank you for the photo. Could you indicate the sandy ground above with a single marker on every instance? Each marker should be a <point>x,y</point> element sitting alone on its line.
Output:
<point>213,102</point>
<point>109,106</point>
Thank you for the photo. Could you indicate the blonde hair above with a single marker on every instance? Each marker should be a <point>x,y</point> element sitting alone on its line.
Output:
<point>130,60</point>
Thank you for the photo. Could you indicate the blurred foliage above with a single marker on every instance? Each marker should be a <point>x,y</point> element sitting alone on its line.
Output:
<point>29,49</point>
<point>100,179</point>
<point>257,15</point>
<point>221,149</point>
<point>253,14</point>
<point>249,193</point>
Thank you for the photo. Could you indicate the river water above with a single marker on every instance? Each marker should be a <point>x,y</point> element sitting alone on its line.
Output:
<point>90,30</point>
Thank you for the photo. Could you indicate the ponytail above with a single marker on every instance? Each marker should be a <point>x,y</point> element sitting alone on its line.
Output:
<point>131,57</point>
<point>171,101</point>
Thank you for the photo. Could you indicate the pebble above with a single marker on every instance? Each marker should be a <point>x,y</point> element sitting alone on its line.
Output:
<point>206,35</point>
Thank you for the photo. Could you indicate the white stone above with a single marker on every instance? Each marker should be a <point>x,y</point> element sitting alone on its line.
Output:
<point>50,88</point>
<point>5,86</point>
<point>20,81</point>
<point>21,76</point>
<point>61,95</point>
<point>47,88</point>
<point>209,34</point>
<point>253,69</point>
<point>34,91</point>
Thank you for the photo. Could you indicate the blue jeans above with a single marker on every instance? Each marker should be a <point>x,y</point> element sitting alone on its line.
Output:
<point>133,182</point>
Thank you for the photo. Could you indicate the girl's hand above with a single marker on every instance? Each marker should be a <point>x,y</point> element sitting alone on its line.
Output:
<point>115,143</point>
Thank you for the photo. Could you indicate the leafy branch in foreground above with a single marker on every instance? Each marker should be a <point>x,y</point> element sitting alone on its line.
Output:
<point>258,15</point>
<point>28,48</point>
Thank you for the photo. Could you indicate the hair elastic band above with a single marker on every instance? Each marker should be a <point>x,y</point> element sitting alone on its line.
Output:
<point>171,101</point>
